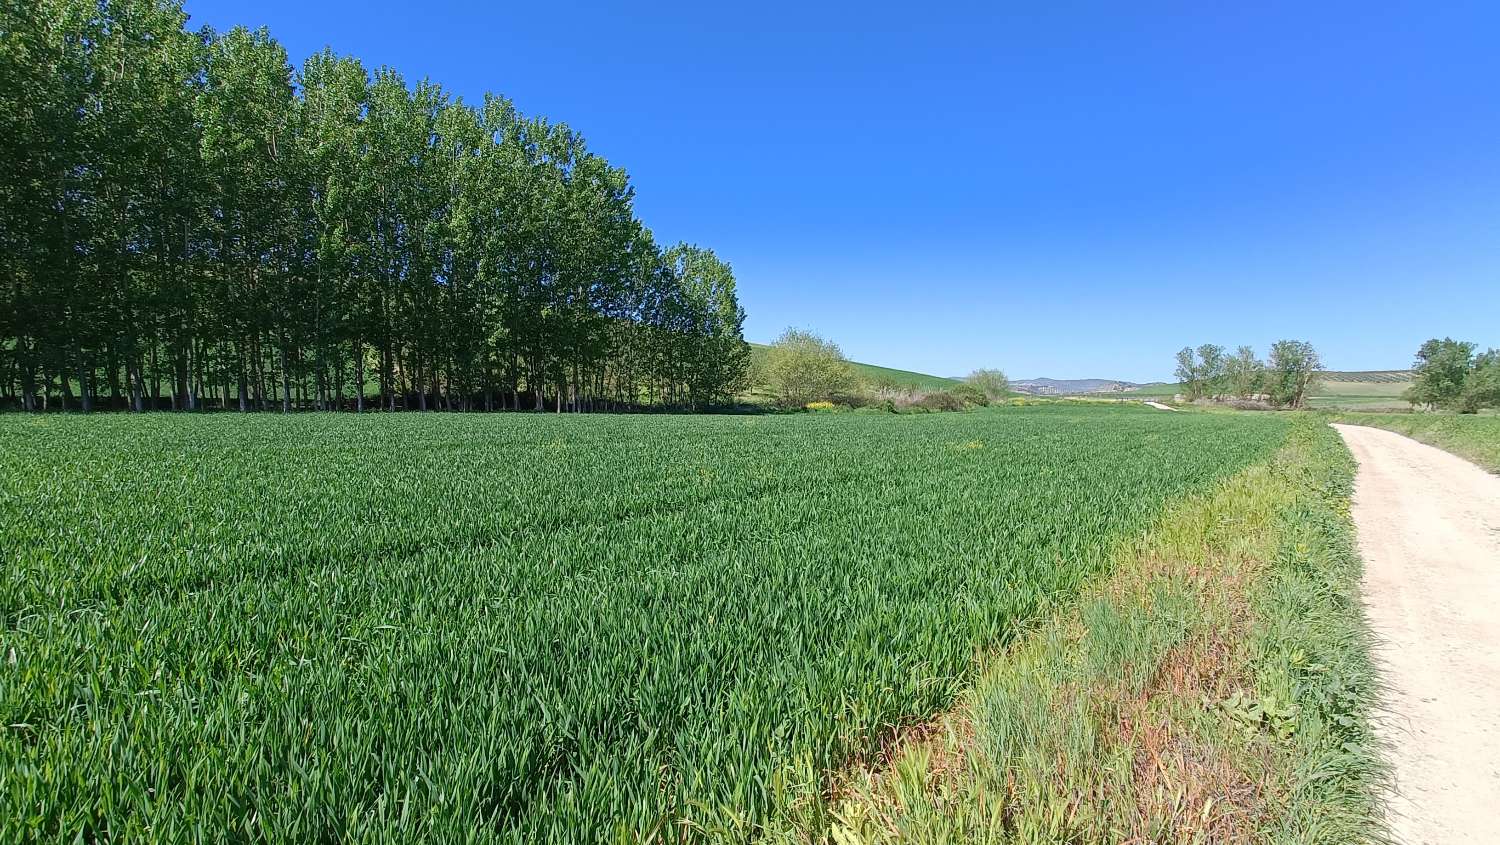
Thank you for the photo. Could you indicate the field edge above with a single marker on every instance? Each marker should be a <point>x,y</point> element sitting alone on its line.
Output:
<point>1216,686</point>
<point>1470,436</point>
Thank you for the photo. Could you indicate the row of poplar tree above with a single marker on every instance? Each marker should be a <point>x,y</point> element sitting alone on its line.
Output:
<point>189,222</point>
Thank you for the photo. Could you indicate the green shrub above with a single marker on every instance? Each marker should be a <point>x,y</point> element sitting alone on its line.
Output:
<point>970,394</point>
<point>940,400</point>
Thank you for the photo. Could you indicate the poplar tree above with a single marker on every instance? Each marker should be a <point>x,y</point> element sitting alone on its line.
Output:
<point>184,220</point>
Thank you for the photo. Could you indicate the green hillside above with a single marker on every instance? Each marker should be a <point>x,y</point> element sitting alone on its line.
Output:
<point>882,375</point>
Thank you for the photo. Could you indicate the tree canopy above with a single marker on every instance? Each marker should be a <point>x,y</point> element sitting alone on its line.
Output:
<point>1292,373</point>
<point>187,219</point>
<point>802,367</point>
<point>993,383</point>
<point>1449,375</point>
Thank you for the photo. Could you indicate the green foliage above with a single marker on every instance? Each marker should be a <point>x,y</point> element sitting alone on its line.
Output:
<point>802,367</point>
<point>395,628</point>
<point>1450,376</point>
<point>715,357</point>
<point>1482,383</point>
<point>1202,372</point>
<point>1288,379</point>
<point>185,218</point>
<point>992,383</point>
<point>1292,373</point>
<point>871,375</point>
<point>1439,373</point>
<point>1186,374</point>
<point>969,393</point>
<point>1244,374</point>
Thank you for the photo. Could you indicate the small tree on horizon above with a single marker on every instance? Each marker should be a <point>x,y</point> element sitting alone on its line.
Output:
<point>993,382</point>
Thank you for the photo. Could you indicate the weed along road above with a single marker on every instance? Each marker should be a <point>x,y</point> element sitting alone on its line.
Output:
<point>1429,531</point>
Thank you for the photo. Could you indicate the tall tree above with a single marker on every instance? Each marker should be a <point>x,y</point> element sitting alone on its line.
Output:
<point>717,354</point>
<point>184,219</point>
<point>1293,372</point>
<point>1482,384</point>
<point>1441,368</point>
<point>1189,374</point>
<point>1244,373</point>
<point>1212,369</point>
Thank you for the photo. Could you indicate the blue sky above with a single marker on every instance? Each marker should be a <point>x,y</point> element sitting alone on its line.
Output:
<point>1061,189</point>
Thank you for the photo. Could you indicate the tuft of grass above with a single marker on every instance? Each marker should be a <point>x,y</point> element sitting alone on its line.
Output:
<point>1215,687</point>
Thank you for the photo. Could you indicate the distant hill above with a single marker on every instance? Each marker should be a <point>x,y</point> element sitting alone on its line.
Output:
<point>1064,387</point>
<point>884,375</point>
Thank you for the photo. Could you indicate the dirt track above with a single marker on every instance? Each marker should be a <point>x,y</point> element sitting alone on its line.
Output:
<point>1429,532</point>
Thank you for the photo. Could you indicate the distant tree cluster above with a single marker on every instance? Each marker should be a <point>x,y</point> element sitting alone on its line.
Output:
<point>1450,375</point>
<point>186,221</point>
<point>1286,379</point>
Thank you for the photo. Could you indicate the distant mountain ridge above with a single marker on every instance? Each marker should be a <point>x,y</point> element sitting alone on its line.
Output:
<point>1051,386</point>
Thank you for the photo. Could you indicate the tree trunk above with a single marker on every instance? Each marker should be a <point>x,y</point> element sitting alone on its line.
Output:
<point>85,389</point>
<point>359,378</point>
<point>286,380</point>
<point>244,381</point>
<point>28,386</point>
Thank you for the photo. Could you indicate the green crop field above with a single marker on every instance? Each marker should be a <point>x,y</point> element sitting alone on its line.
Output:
<point>1402,377</point>
<point>500,628</point>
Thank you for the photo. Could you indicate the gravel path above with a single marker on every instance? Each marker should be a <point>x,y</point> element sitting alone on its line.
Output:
<point>1429,532</point>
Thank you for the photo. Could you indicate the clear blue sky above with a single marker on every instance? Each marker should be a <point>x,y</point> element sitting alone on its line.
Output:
<point>1060,189</point>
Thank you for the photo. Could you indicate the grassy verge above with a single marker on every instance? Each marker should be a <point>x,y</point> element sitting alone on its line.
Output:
<point>1213,689</point>
<point>1471,436</point>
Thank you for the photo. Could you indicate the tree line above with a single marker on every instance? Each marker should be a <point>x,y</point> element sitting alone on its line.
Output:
<point>187,221</point>
<point>1286,379</point>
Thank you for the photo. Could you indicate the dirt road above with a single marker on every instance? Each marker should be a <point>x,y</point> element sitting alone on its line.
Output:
<point>1429,532</point>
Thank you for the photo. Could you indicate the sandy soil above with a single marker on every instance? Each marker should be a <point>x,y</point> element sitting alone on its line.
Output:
<point>1429,532</point>
<point>1161,406</point>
